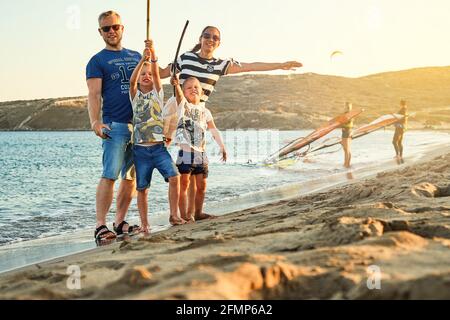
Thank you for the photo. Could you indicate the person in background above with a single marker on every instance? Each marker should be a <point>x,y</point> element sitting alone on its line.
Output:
<point>400,128</point>
<point>347,137</point>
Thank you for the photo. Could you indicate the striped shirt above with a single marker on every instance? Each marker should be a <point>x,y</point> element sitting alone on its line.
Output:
<point>190,64</point>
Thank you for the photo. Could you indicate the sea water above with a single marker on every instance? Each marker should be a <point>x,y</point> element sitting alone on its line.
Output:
<point>48,180</point>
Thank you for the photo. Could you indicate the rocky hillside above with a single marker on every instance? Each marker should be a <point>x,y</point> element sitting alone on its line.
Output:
<point>299,101</point>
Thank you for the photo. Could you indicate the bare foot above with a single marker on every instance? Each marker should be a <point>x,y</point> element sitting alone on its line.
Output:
<point>175,221</point>
<point>144,229</point>
<point>188,219</point>
<point>204,216</point>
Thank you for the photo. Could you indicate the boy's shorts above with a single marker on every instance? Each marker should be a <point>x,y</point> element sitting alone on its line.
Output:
<point>192,163</point>
<point>117,152</point>
<point>147,158</point>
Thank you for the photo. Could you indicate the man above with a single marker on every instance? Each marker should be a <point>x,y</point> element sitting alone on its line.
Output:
<point>107,75</point>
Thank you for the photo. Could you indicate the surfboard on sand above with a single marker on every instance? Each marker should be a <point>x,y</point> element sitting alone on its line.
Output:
<point>323,130</point>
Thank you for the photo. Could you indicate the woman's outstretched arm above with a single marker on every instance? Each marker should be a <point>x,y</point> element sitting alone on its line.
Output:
<point>263,66</point>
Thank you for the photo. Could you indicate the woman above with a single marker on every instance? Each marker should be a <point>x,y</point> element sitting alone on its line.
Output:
<point>201,63</point>
<point>347,137</point>
<point>400,128</point>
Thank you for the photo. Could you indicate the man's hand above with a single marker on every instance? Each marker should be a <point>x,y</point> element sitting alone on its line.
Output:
<point>97,127</point>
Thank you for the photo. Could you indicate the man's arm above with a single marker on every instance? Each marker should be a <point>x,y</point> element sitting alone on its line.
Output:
<point>94,105</point>
<point>263,66</point>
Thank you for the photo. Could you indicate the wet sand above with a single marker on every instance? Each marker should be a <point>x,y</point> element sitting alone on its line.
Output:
<point>319,246</point>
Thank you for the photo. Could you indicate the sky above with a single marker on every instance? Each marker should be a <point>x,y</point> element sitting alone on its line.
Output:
<point>46,44</point>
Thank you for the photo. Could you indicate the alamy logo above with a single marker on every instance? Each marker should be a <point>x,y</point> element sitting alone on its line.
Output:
<point>73,21</point>
<point>374,277</point>
<point>74,280</point>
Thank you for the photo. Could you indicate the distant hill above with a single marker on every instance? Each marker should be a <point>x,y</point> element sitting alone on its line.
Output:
<point>299,101</point>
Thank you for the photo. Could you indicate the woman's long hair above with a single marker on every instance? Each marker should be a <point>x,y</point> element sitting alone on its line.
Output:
<point>199,45</point>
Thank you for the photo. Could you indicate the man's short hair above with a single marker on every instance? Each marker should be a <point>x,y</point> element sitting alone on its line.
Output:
<point>106,14</point>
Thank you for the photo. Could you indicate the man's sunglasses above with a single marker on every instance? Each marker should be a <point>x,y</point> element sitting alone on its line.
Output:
<point>208,36</point>
<point>115,27</point>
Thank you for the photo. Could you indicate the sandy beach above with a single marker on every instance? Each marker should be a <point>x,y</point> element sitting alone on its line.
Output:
<point>325,245</point>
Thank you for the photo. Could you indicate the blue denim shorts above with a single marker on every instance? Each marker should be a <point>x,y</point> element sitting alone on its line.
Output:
<point>117,152</point>
<point>193,163</point>
<point>148,158</point>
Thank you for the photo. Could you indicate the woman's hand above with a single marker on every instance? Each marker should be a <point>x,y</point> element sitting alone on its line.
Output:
<point>291,65</point>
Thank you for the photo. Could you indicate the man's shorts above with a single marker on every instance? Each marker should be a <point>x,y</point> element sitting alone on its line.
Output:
<point>192,163</point>
<point>117,152</point>
<point>346,133</point>
<point>148,158</point>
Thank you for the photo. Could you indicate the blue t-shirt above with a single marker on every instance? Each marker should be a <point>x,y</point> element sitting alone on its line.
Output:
<point>115,69</point>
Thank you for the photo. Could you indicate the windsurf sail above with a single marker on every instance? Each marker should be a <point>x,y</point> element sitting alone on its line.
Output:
<point>379,123</point>
<point>326,144</point>
<point>323,130</point>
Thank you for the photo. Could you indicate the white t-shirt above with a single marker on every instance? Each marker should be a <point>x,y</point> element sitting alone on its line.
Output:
<point>147,117</point>
<point>192,125</point>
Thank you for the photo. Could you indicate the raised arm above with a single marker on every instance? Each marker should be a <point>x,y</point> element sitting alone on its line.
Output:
<point>154,66</point>
<point>178,91</point>
<point>94,106</point>
<point>135,75</point>
<point>263,66</point>
<point>218,138</point>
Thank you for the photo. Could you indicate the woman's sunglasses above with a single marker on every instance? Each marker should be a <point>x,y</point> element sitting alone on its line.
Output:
<point>115,27</point>
<point>208,36</point>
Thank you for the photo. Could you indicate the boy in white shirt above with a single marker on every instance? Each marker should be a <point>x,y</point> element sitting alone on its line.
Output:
<point>193,121</point>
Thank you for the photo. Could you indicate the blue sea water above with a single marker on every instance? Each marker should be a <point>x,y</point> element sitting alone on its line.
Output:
<point>48,179</point>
